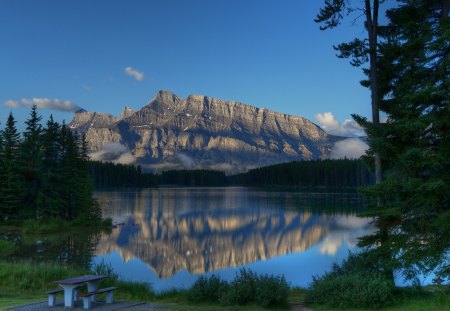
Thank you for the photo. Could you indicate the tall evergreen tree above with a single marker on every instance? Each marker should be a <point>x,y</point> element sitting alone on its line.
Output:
<point>50,199</point>
<point>414,144</point>
<point>11,180</point>
<point>31,161</point>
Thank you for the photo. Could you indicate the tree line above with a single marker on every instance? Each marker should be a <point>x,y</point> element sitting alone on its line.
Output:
<point>116,175</point>
<point>43,173</point>
<point>328,174</point>
<point>325,174</point>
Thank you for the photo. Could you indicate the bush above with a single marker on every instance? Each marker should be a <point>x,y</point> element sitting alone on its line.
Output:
<point>205,289</point>
<point>246,288</point>
<point>352,285</point>
<point>242,289</point>
<point>271,291</point>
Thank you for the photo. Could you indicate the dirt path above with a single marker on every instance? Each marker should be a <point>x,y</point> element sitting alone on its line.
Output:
<point>299,306</point>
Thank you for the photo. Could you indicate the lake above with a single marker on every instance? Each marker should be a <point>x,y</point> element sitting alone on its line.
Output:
<point>170,236</point>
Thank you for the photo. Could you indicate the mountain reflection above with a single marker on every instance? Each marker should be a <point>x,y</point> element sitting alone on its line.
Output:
<point>202,230</point>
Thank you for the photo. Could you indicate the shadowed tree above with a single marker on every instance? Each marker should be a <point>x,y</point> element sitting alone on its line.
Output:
<point>31,161</point>
<point>414,144</point>
<point>11,180</point>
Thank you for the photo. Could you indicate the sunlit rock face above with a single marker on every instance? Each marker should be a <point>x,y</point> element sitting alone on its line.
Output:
<point>209,132</point>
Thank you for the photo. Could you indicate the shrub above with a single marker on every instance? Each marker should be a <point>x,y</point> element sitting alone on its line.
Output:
<point>207,289</point>
<point>248,287</point>
<point>242,289</point>
<point>271,291</point>
<point>352,284</point>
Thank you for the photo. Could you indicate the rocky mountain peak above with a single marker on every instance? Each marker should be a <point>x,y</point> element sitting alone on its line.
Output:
<point>204,132</point>
<point>166,96</point>
<point>127,112</point>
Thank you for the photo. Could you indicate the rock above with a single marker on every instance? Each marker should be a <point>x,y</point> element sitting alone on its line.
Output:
<point>205,132</point>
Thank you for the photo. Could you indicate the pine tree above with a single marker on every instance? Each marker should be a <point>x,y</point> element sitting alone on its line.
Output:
<point>50,199</point>
<point>11,179</point>
<point>414,144</point>
<point>31,161</point>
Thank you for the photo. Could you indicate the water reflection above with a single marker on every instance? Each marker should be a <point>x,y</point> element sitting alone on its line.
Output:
<point>196,231</point>
<point>76,247</point>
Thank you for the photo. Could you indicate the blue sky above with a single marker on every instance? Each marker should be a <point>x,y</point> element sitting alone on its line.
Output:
<point>265,53</point>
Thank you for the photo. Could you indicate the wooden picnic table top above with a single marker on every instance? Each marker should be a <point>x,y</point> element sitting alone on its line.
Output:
<point>80,279</point>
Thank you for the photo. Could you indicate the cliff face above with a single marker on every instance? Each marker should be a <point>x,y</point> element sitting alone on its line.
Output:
<point>204,132</point>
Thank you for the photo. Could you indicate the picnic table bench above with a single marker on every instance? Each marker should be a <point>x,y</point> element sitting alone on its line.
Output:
<point>87,296</point>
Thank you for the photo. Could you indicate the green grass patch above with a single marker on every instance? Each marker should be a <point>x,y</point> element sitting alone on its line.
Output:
<point>409,300</point>
<point>9,300</point>
<point>7,248</point>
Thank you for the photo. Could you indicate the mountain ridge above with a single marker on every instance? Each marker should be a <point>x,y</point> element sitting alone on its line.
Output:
<point>201,132</point>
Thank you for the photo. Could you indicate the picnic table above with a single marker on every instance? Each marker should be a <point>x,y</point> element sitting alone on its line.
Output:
<point>69,286</point>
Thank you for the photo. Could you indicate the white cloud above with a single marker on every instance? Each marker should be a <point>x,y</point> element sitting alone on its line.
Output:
<point>114,148</point>
<point>43,103</point>
<point>187,161</point>
<point>133,72</point>
<point>331,125</point>
<point>350,148</point>
<point>125,158</point>
<point>113,152</point>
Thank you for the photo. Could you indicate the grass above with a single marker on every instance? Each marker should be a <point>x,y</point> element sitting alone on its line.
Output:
<point>431,298</point>
<point>11,300</point>
<point>22,283</point>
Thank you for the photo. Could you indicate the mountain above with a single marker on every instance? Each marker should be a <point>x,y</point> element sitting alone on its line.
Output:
<point>201,132</point>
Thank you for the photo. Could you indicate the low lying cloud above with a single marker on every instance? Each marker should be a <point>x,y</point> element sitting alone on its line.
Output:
<point>186,161</point>
<point>44,103</point>
<point>331,125</point>
<point>350,148</point>
<point>133,72</point>
<point>113,152</point>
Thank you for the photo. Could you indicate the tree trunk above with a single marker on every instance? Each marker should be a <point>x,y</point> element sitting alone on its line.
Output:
<point>372,30</point>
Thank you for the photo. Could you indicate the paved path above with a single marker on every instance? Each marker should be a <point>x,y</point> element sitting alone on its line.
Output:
<point>118,305</point>
<point>97,306</point>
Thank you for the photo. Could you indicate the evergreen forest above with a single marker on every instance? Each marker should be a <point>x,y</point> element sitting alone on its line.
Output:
<point>343,174</point>
<point>44,174</point>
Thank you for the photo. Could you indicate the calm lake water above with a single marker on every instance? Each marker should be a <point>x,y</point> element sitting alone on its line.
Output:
<point>169,237</point>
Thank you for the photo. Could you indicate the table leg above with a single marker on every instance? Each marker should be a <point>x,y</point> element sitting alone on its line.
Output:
<point>92,286</point>
<point>68,295</point>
